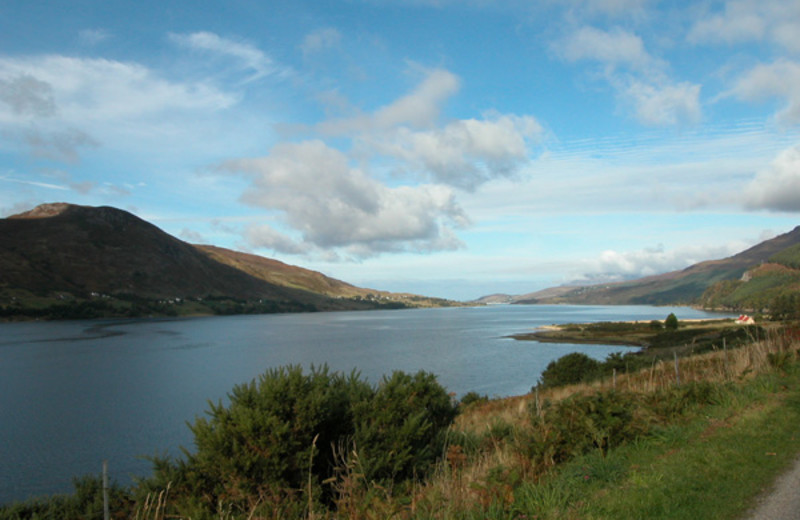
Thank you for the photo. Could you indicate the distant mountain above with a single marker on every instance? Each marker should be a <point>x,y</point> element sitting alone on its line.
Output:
<point>62,252</point>
<point>677,287</point>
<point>279,273</point>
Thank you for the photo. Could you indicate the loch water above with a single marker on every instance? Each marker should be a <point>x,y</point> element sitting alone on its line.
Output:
<point>75,393</point>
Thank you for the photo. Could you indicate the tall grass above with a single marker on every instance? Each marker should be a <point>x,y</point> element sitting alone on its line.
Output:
<point>483,479</point>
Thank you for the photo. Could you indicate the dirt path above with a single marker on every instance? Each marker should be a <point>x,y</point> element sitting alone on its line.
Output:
<point>783,501</point>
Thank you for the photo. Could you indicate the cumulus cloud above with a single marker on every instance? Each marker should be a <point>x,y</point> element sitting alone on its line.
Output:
<point>335,205</point>
<point>779,79</point>
<point>663,105</point>
<point>246,55</point>
<point>418,109</point>
<point>263,236</point>
<point>742,21</point>
<point>615,47</point>
<point>461,153</point>
<point>613,266</point>
<point>777,187</point>
<point>466,153</point>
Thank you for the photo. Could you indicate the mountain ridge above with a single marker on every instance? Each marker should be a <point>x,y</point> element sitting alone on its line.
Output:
<point>681,287</point>
<point>62,252</point>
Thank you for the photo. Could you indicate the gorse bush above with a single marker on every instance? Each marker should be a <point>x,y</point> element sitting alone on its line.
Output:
<point>399,430</point>
<point>583,423</point>
<point>570,369</point>
<point>280,436</point>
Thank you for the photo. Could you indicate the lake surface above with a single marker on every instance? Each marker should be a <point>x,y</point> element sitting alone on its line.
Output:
<point>75,393</point>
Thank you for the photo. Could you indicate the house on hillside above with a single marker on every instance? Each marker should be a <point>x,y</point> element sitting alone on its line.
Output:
<point>744,319</point>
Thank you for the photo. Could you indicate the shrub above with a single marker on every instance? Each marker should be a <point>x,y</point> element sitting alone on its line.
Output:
<point>473,397</point>
<point>671,323</point>
<point>400,431</point>
<point>570,369</point>
<point>581,423</point>
<point>279,434</point>
<point>656,325</point>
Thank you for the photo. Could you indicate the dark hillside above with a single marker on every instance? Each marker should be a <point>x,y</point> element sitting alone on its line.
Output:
<point>82,250</point>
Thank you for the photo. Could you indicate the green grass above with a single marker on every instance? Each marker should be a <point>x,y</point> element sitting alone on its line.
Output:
<point>711,466</point>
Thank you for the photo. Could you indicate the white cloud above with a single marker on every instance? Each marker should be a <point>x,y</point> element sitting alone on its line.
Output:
<point>56,106</point>
<point>334,205</point>
<point>778,79</point>
<point>626,265</point>
<point>662,105</point>
<point>86,90</point>
<point>320,40</point>
<point>47,185</point>
<point>465,153</point>
<point>742,21</point>
<point>418,109</point>
<point>248,56</point>
<point>639,79</point>
<point>615,47</point>
<point>462,153</point>
<point>263,236</point>
<point>777,187</point>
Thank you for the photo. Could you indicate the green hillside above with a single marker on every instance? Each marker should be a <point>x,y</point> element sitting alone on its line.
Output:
<point>771,287</point>
<point>730,283</point>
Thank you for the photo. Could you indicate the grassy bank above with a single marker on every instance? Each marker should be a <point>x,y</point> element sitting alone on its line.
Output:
<point>642,445</point>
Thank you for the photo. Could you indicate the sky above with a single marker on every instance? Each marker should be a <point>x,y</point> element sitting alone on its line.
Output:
<point>450,148</point>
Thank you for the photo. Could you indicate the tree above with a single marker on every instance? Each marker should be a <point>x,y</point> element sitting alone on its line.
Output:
<point>671,323</point>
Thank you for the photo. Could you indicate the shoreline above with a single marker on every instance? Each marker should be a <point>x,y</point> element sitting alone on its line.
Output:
<point>632,333</point>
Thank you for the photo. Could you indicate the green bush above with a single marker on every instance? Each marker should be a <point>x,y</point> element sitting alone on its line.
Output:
<point>671,323</point>
<point>473,397</point>
<point>656,325</point>
<point>399,432</point>
<point>570,369</point>
<point>279,434</point>
<point>581,424</point>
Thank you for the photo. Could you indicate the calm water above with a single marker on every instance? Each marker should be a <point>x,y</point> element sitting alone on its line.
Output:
<point>75,393</point>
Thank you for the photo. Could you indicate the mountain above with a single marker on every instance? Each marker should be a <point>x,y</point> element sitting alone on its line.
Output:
<point>282,274</point>
<point>279,273</point>
<point>686,286</point>
<point>107,256</point>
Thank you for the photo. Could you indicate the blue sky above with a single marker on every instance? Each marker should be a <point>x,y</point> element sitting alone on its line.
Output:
<point>444,147</point>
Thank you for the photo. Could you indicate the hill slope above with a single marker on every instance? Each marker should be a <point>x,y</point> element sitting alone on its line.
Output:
<point>678,287</point>
<point>62,251</point>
